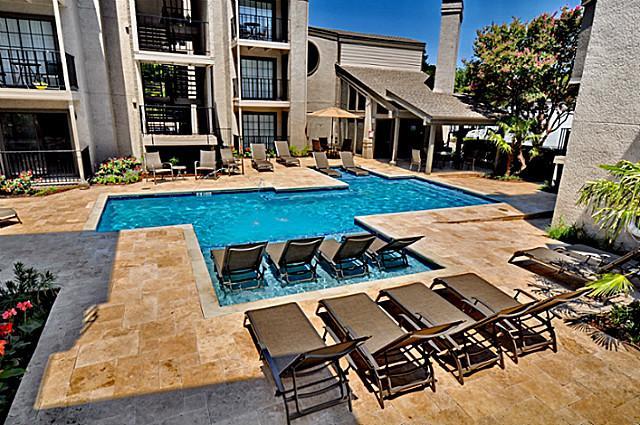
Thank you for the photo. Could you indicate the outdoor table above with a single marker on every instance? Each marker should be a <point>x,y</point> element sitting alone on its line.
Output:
<point>180,171</point>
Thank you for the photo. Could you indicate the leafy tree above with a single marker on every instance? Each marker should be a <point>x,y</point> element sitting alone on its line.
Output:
<point>524,68</point>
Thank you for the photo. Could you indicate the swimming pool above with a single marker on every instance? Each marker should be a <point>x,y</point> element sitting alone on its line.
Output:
<point>220,219</point>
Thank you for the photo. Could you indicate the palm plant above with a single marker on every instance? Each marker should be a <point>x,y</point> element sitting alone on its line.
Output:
<point>520,132</point>
<point>614,205</point>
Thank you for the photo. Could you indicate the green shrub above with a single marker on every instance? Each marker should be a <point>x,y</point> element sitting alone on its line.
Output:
<point>299,152</point>
<point>627,319</point>
<point>21,185</point>
<point>564,232</point>
<point>118,171</point>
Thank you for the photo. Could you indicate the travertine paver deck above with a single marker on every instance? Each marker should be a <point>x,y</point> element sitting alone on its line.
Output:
<point>143,353</point>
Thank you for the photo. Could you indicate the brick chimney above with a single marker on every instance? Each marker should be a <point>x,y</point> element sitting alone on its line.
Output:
<point>450,22</point>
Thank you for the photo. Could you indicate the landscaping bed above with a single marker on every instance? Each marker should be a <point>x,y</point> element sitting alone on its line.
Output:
<point>25,303</point>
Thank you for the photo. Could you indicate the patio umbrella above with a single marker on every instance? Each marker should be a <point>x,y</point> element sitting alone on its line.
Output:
<point>333,112</point>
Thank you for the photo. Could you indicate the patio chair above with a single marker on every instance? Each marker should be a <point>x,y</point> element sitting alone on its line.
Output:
<point>315,145</point>
<point>392,361</point>
<point>229,162</point>
<point>392,253</point>
<point>469,346</point>
<point>322,165</point>
<point>348,255</point>
<point>295,258</point>
<point>304,368</point>
<point>259,159</point>
<point>579,262</point>
<point>349,165</point>
<point>207,164</point>
<point>155,167</point>
<point>284,155</point>
<point>8,214</point>
<point>236,265</point>
<point>416,159</point>
<point>526,326</point>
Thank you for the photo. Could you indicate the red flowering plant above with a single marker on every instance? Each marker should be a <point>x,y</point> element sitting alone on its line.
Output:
<point>25,302</point>
<point>21,185</point>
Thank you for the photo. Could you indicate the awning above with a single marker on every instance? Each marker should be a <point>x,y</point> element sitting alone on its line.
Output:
<point>407,89</point>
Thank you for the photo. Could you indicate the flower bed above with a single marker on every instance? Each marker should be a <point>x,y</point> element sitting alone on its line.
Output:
<point>25,302</point>
<point>125,170</point>
<point>21,185</point>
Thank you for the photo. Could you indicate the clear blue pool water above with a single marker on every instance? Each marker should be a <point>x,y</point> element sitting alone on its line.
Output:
<point>220,219</point>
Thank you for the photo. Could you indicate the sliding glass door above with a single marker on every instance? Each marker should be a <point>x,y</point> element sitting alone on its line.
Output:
<point>258,78</point>
<point>259,127</point>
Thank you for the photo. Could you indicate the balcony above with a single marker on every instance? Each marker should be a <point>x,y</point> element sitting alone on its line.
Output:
<point>172,34</point>
<point>260,28</point>
<point>266,89</point>
<point>34,69</point>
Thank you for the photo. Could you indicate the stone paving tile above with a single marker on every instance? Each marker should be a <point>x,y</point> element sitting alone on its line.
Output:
<point>150,357</point>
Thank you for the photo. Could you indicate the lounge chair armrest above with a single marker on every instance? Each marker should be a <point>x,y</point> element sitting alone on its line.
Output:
<point>486,310</point>
<point>525,293</point>
<point>274,371</point>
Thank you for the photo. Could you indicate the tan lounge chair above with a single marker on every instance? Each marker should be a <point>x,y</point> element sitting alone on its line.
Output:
<point>471,345</point>
<point>155,167</point>
<point>7,214</point>
<point>350,166</point>
<point>305,370</point>
<point>236,265</point>
<point>392,253</point>
<point>348,255</point>
<point>392,361</point>
<point>207,164</point>
<point>284,155</point>
<point>259,159</point>
<point>526,326</point>
<point>322,164</point>
<point>229,162</point>
<point>294,260</point>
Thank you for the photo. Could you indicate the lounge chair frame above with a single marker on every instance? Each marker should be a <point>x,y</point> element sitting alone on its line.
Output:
<point>284,154</point>
<point>349,165</point>
<point>322,165</point>
<point>229,162</point>
<point>527,327</point>
<point>9,214</point>
<point>305,365</point>
<point>402,358</point>
<point>155,167</point>
<point>259,158</point>
<point>463,346</point>
<point>206,165</point>
<point>287,270</point>
<point>255,273</point>
<point>387,254</point>
<point>339,265</point>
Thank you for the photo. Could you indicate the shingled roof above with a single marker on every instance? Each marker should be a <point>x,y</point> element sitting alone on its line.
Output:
<point>408,89</point>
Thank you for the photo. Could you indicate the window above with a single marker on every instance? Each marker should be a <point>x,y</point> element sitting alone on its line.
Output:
<point>256,19</point>
<point>34,131</point>
<point>313,58</point>
<point>259,128</point>
<point>258,78</point>
<point>28,53</point>
<point>166,83</point>
<point>357,101</point>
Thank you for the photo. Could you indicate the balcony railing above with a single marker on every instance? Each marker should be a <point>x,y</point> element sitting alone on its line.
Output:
<point>175,35</point>
<point>52,166</point>
<point>176,119</point>
<point>31,68</point>
<point>263,89</point>
<point>262,28</point>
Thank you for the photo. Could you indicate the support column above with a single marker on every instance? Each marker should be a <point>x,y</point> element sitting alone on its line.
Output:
<point>75,139</point>
<point>430,149</point>
<point>367,137</point>
<point>396,139</point>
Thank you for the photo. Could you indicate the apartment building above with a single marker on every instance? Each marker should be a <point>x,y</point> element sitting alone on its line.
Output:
<point>84,81</point>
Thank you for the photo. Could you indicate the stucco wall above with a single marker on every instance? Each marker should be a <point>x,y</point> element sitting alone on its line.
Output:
<point>299,16</point>
<point>607,120</point>
<point>322,86</point>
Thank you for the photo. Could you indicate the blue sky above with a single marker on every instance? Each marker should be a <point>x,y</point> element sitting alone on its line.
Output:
<point>420,19</point>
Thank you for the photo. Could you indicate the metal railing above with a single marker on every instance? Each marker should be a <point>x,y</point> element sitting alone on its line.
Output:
<point>31,68</point>
<point>262,28</point>
<point>52,166</point>
<point>176,119</point>
<point>175,35</point>
<point>263,89</point>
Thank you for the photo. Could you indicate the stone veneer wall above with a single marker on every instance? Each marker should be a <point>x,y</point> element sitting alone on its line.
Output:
<point>606,126</point>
